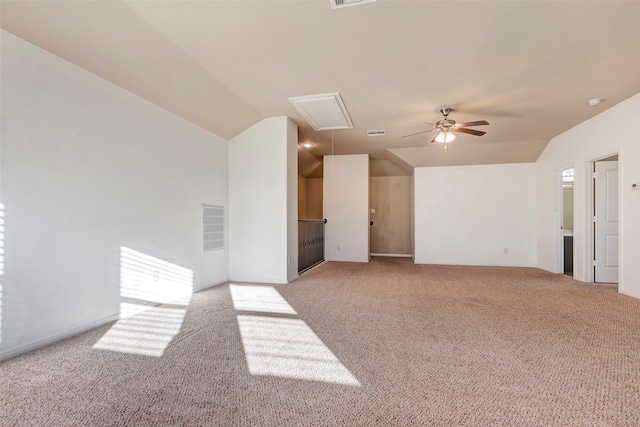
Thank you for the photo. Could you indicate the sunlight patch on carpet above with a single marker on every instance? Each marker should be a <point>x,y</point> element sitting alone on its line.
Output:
<point>289,348</point>
<point>264,299</point>
<point>146,333</point>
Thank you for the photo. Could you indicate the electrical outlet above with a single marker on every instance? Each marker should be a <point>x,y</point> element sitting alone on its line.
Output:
<point>506,251</point>
<point>338,247</point>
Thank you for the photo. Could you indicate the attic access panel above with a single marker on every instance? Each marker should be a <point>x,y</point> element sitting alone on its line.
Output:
<point>323,112</point>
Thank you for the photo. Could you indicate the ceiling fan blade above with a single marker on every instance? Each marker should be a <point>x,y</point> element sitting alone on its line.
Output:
<point>418,133</point>
<point>470,131</point>
<point>476,123</point>
<point>434,138</point>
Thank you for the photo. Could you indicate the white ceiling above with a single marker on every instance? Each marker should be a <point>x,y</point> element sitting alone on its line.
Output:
<point>527,67</point>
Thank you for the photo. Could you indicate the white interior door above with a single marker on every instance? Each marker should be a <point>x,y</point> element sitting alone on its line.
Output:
<point>606,222</point>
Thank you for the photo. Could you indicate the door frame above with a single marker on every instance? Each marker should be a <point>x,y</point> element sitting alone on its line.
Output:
<point>591,202</point>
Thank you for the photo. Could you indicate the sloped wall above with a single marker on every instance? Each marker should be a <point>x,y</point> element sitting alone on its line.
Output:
<point>592,140</point>
<point>88,168</point>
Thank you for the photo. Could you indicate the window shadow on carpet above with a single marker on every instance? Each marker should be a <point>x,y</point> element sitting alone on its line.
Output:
<point>283,347</point>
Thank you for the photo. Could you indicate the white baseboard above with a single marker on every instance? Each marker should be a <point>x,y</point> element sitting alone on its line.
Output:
<point>312,268</point>
<point>393,255</point>
<point>547,268</point>
<point>34,345</point>
<point>475,264</point>
<point>293,278</point>
<point>631,294</point>
<point>210,285</point>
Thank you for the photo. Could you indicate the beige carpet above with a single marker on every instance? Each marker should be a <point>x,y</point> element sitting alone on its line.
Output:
<point>384,343</point>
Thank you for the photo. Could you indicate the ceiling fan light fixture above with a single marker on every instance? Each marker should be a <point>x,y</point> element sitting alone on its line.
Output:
<point>445,136</point>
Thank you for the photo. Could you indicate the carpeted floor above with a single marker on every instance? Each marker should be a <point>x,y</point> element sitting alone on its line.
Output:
<point>384,343</point>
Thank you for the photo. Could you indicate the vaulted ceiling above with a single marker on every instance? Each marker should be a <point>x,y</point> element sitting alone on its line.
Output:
<point>527,67</point>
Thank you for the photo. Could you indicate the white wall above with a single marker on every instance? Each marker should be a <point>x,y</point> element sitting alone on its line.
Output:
<point>302,197</point>
<point>470,214</point>
<point>309,198</point>
<point>87,168</point>
<point>346,207</point>
<point>263,203</point>
<point>592,140</point>
<point>314,198</point>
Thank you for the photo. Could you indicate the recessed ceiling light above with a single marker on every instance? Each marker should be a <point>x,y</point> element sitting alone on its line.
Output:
<point>594,101</point>
<point>307,144</point>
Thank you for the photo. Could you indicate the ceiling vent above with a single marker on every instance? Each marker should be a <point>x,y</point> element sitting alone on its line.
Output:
<point>323,112</point>
<point>379,132</point>
<point>339,4</point>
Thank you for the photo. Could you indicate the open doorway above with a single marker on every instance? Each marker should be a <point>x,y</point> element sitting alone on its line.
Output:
<point>567,220</point>
<point>390,215</point>
<point>389,209</point>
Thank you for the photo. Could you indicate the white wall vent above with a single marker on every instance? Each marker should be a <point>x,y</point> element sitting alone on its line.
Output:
<point>378,132</point>
<point>323,112</point>
<point>212,228</point>
<point>338,4</point>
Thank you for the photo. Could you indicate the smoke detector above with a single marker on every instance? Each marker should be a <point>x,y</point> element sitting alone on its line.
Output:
<point>339,4</point>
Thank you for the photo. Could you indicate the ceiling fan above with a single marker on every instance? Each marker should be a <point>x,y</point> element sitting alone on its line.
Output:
<point>446,127</point>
